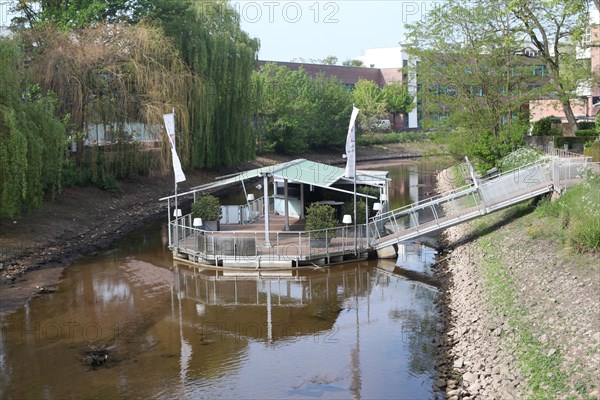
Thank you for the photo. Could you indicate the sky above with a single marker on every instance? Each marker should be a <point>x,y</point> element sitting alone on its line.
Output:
<point>307,30</point>
<point>310,30</point>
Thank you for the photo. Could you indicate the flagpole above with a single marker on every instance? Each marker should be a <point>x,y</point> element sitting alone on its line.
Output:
<point>178,172</point>
<point>355,245</point>
<point>351,163</point>
<point>176,205</point>
<point>354,169</point>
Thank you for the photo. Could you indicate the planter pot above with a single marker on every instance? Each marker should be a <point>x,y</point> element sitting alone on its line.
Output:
<point>212,226</point>
<point>319,242</point>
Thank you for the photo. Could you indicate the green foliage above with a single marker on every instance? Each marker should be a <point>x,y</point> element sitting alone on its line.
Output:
<point>577,142</point>
<point>223,58</point>
<point>469,75</point>
<point>353,63</point>
<point>593,151</point>
<point>296,111</point>
<point>485,148</point>
<point>520,158</point>
<point>547,23</point>
<point>31,139</point>
<point>398,100</point>
<point>586,125</point>
<point>320,218</point>
<point>369,98</point>
<point>543,127</point>
<point>207,207</point>
<point>579,212</point>
<point>69,14</point>
<point>361,212</point>
<point>330,60</point>
<point>388,138</point>
<point>586,132</point>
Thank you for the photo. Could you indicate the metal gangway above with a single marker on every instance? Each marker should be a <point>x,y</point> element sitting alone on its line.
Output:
<point>481,197</point>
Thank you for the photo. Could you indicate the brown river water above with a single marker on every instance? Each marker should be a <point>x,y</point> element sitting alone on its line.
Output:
<point>360,330</point>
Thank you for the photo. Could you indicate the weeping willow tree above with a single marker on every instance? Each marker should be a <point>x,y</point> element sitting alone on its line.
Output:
<point>222,57</point>
<point>111,75</point>
<point>31,137</point>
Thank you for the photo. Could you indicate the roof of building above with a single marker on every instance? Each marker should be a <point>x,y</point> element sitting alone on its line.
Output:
<point>299,171</point>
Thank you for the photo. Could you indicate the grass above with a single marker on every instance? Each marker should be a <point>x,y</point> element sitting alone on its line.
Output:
<point>573,222</point>
<point>577,213</point>
<point>539,365</point>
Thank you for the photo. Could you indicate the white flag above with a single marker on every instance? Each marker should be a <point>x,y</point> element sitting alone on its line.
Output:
<point>351,146</point>
<point>170,125</point>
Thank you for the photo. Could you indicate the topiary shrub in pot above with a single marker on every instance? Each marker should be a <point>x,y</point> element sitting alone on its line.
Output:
<point>320,218</point>
<point>208,208</point>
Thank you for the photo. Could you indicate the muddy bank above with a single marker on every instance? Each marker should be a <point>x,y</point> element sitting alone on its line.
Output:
<point>521,312</point>
<point>35,247</point>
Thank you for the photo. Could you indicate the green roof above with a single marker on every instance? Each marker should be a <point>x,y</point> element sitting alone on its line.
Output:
<point>297,171</point>
<point>310,173</point>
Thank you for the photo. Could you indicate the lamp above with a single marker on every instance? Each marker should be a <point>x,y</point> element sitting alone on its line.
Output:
<point>197,222</point>
<point>347,219</point>
<point>376,206</point>
<point>250,196</point>
<point>177,212</point>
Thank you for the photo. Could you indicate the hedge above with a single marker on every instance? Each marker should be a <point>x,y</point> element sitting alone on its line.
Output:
<point>574,142</point>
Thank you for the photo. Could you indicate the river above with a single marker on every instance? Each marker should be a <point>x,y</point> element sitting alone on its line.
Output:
<point>360,330</point>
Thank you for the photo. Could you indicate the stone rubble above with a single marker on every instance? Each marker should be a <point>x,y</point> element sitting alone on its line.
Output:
<point>563,306</point>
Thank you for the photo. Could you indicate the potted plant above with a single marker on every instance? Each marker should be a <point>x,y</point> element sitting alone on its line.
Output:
<point>208,208</point>
<point>320,218</point>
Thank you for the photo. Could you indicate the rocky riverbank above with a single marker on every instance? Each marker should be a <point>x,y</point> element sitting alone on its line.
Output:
<point>521,312</point>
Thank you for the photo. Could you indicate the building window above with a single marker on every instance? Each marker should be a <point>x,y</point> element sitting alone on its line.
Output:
<point>539,70</point>
<point>586,40</point>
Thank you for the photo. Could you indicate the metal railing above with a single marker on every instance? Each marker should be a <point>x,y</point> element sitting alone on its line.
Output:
<point>471,201</point>
<point>250,246</point>
<point>552,151</point>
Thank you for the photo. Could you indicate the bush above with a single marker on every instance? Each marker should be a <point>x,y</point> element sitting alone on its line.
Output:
<point>543,127</point>
<point>207,207</point>
<point>361,212</point>
<point>586,125</point>
<point>320,217</point>
<point>579,213</point>
<point>593,151</point>
<point>586,132</point>
<point>388,138</point>
<point>519,158</point>
<point>555,132</point>
<point>577,142</point>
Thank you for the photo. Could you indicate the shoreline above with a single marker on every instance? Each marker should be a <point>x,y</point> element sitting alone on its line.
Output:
<point>37,246</point>
<point>473,361</point>
<point>520,311</point>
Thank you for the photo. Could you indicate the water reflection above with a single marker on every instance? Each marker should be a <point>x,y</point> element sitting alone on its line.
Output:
<point>306,321</point>
<point>332,333</point>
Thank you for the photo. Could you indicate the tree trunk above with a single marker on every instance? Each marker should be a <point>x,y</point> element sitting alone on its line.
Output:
<point>571,120</point>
